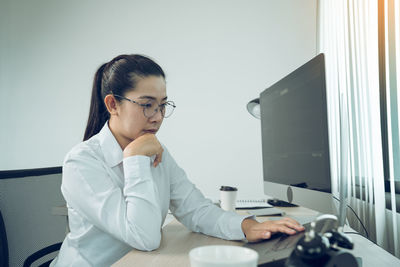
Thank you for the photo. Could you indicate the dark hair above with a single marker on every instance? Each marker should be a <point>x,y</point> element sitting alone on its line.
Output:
<point>118,76</point>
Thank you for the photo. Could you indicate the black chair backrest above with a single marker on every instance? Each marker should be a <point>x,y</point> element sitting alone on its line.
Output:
<point>3,244</point>
<point>27,200</point>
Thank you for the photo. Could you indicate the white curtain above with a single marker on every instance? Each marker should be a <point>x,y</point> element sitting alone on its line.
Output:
<point>348,36</point>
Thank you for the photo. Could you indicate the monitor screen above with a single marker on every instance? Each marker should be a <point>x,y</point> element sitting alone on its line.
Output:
<point>295,144</point>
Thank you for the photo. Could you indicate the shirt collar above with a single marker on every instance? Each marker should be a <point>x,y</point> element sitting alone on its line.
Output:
<point>112,151</point>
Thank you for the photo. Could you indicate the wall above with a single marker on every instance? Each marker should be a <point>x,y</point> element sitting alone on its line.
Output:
<point>217,55</point>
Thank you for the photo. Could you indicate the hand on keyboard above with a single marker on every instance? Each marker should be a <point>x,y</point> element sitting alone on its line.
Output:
<point>255,231</point>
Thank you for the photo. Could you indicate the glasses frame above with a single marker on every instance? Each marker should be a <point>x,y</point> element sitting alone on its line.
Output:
<point>144,106</point>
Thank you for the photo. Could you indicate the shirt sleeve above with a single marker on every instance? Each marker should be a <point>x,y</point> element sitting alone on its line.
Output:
<point>132,215</point>
<point>198,213</point>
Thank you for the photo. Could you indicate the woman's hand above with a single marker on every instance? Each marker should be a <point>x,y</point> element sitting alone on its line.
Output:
<point>255,231</point>
<point>145,145</point>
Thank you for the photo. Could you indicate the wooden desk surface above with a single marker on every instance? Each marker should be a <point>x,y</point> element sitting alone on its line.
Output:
<point>177,241</point>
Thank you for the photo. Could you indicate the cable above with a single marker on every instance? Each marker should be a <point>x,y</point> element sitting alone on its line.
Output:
<point>358,218</point>
<point>357,233</point>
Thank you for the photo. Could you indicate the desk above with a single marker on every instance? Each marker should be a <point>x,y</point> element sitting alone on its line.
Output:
<point>177,241</point>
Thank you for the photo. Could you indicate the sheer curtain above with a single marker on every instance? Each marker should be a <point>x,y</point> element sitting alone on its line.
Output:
<point>348,36</point>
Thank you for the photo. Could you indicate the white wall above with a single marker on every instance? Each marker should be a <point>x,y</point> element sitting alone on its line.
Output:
<point>217,55</point>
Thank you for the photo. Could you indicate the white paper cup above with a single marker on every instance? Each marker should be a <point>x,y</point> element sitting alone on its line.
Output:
<point>228,198</point>
<point>223,256</point>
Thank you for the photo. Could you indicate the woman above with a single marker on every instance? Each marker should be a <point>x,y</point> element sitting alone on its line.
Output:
<point>120,182</point>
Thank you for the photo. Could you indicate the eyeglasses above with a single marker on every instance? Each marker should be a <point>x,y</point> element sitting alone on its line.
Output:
<point>152,107</point>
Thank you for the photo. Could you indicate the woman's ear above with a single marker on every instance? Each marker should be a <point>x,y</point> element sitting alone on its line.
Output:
<point>111,104</point>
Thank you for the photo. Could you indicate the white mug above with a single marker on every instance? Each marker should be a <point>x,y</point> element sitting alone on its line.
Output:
<point>228,198</point>
<point>223,256</point>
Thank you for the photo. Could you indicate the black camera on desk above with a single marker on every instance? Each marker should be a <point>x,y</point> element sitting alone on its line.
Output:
<point>323,247</point>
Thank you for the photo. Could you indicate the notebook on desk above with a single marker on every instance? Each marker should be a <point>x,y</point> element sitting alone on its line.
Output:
<point>266,212</point>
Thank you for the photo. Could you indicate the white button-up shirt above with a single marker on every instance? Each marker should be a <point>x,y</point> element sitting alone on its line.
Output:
<point>116,204</point>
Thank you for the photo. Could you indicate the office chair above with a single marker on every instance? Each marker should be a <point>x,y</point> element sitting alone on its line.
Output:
<point>3,244</point>
<point>30,232</point>
<point>40,254</point>
<point>32,258</point>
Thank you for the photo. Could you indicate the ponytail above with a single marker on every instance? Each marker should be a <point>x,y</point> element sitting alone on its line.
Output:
<point>98,114</point>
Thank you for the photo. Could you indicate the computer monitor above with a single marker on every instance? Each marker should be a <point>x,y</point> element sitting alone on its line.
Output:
<point>295,145</point>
